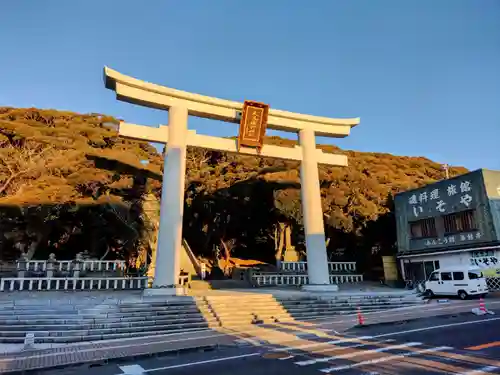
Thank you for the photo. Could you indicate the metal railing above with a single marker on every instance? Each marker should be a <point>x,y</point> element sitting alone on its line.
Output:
<point>493,284</point>
<point>9,284</point>
<point>299,280</point>
<point>67,265</point>
<point>71,283</point>
<point>332,267</point>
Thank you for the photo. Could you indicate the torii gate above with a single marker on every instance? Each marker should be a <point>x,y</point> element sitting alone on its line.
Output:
<point>177,137</point>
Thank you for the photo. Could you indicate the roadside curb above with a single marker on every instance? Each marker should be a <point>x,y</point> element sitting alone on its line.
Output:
<point>117,359</point>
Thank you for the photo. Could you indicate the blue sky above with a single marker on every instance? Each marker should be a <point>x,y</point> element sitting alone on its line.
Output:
<point>423,75</point>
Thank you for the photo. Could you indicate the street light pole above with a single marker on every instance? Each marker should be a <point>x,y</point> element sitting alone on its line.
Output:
<point>446,171</point>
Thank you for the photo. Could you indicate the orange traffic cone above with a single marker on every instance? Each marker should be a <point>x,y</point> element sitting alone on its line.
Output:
<point>482,307</point>
<point>361,320</point>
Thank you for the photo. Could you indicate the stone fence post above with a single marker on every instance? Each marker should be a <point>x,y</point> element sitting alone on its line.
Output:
<point>22,266</point>
<point>51,264</point>
<point>77,265</point>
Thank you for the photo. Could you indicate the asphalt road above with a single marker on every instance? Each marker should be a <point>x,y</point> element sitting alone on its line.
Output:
<point>459,344</point>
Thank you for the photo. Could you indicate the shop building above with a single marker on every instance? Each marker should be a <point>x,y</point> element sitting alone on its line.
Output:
<point>448,223</point>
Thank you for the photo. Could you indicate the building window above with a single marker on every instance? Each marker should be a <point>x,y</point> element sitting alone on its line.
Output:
<point>459,222</point>
<point>423,228</point>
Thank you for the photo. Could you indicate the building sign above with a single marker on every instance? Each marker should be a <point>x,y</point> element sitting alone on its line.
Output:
<point>486,261</point>
<point>253,124</point>
<point>454,239</point>
<point>440,200</point>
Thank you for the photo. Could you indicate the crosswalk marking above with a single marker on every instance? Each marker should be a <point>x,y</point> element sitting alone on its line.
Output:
<point>373,351</point>
<point>355,351</point>
<point>326,359</point>
<point>306,346</point>
<point>384,359</point>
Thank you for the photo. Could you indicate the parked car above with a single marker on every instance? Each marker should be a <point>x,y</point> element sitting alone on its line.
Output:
<point>456,281</point>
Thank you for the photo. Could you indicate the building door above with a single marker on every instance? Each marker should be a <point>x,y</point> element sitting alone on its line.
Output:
<point>428,268</point>
<point>415,271</point>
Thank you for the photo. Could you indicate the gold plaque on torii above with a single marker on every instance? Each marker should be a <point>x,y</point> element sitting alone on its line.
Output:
<point>253,124</point>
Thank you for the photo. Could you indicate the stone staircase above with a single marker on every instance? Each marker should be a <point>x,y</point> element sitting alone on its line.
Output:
<point>71,322</point>
<point>77,319</point>
<point>232,310</point>
<point>308,308</point>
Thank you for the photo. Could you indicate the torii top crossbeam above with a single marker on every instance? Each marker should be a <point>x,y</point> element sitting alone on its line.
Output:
<point>151,95</point>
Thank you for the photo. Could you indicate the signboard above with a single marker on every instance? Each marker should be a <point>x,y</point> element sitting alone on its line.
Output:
<point>487,262</point>
<point>253,124</point>
<point>447,198</point>
<point>457,239</point>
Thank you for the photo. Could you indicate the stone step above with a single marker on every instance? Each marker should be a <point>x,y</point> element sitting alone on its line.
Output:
<point>266,307</point>
<point>225,317</point>
<point>130,310</point>
<point>353,298</point>
<point>116,315</point>
<point>337,309</point>
<point>240,322</point>
<point>350,303</point>
<point>73,339</point>
<point>110,306</point>
<point>315,312</point>
<point>51,325</point>
<point>343,307</point>
<point>250,321</point>
<point>178,301</point>
<point>96,312</point>
<point>102,331</point>
<point>241,297</point>
<point>225,314</point>
<point>100,321</point>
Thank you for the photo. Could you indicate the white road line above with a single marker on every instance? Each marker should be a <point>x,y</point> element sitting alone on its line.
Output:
<point>132,370</point>
<point>436,327</point>
<point>318,360</point>
<point>306,346</point>
<point>201,362</point>
<point>384,359</point>
<point>481,370</point>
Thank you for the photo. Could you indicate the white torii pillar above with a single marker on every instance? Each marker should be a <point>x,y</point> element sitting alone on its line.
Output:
<point>177,137</point>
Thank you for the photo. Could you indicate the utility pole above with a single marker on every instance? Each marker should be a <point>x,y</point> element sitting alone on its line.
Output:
<point>446,171</point>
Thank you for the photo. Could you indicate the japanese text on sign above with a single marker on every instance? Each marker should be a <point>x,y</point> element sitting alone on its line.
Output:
<point>453,239</point>
<point>253,124</point>
<point>484,262</point>
<point>439,199</point>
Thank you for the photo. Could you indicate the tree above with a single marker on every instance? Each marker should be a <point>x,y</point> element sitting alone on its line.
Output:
<point>68,183</point>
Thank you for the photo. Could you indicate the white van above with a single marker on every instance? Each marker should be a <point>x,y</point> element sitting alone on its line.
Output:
<point>456,281</point>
